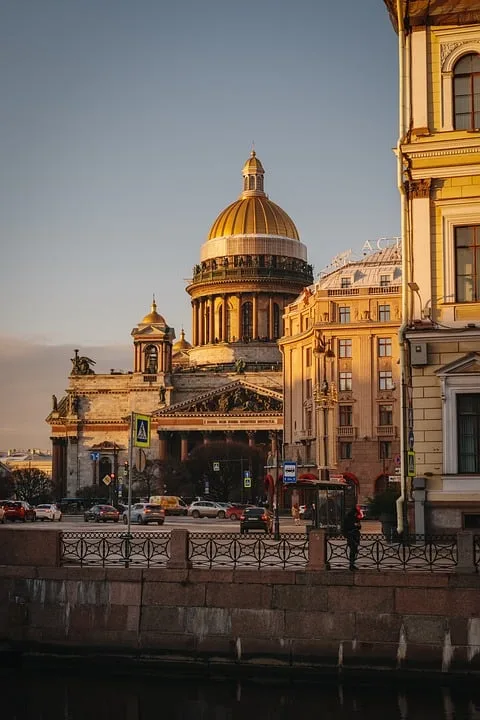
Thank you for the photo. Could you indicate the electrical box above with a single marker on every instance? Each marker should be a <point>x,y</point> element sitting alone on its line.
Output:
<point>419,483</point>
<point>418,353</point>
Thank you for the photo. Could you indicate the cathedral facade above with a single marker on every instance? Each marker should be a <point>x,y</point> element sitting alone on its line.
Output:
<point>226,385</point>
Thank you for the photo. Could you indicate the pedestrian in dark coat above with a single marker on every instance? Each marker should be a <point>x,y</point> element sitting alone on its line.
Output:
<point>351,530</point>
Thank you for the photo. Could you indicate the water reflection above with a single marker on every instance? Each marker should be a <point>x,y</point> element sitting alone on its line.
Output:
<point>50,695</point>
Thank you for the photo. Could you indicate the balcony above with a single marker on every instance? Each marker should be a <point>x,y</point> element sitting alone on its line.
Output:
<point>299,435</point>
<point>303,274</point>
<point>347,431</point>
<point>389,431</point>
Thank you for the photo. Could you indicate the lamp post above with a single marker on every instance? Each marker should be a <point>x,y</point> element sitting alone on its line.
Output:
<point>276,527</point>
<point>325,395</point>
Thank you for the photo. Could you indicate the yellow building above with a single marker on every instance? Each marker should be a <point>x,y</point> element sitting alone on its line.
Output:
<point>439,181</point>
<point>341,373</point>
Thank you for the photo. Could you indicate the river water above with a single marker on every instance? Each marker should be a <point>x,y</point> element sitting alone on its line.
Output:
<point>96,694</point>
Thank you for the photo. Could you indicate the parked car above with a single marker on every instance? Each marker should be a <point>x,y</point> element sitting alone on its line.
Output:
<point>256,518</point>
<point>235,511</point>
<point>102,513</point>
<point>144,513</point>
<point>19,510</point>
<point>48,511</point>
<point>206,508</point>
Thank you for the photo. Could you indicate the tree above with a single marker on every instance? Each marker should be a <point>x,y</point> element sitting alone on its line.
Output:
<point>161,477</point>
<point>32,485</point>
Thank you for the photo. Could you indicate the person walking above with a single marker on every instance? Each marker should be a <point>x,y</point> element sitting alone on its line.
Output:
<point>351,530</point>
<point>296,514</point>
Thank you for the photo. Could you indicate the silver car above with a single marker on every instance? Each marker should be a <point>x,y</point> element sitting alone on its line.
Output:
<point>206,508</point>
<point>144,513</point>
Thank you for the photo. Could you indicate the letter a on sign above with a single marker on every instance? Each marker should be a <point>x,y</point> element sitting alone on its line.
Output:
<point>141,429</point>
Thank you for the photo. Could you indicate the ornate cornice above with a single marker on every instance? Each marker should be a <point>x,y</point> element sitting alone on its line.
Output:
<point>418,188</point>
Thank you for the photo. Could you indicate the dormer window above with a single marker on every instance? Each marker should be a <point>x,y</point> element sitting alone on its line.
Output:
<point>346,282</point>
<point>466,92</point>
<point>385,280</point>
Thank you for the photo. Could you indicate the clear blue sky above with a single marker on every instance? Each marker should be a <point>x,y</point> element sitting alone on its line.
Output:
<point>125,125</point>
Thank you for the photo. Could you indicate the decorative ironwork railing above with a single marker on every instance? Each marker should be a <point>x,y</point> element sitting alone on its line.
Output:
<point>418,552</point>
<point>110,548</point>
<point>229,550</point>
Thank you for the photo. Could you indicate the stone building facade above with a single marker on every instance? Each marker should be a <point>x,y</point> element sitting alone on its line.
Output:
<point>224,385</point>
<point>439,182</point>
<point>341,373</point>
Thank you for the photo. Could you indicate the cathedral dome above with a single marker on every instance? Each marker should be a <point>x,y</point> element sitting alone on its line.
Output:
<point>153,318</point>
<point>253,213</point>
<point>181,344</point>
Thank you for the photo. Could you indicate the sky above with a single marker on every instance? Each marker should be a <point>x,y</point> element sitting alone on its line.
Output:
<point>125,127</point>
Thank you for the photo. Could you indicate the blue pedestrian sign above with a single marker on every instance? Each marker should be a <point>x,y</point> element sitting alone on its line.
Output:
<point>289,472</point>
<point>94,456</point>
<point>247,479</point>
<point>141,430</point>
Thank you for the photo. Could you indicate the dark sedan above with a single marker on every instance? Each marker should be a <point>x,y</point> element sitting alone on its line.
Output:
<point>256,518</point>
<point>102,513</point>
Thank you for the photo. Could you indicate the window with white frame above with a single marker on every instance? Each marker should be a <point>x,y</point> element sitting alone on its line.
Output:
<point>345,348</point>
<point>466,92</point>
<point>385,280</point>
<point>468,424</point>
<point>460,251</point>
<point>384,347</point>
<point>344,314</point>
<point>384,313</point>
<point>467,263</point>
<point>461,425</point>
<point>345,380</point>
<point>385,381</point>
<point>345,415</point>
<point>346,282</point>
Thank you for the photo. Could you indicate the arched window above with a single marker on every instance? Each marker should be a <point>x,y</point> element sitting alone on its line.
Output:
<point>276,321</point>
<point>466,92</point>
<point>247,321</point>
<point>151,359</point>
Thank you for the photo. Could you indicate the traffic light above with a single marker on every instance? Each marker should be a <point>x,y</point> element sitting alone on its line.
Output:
<point>125,468</point>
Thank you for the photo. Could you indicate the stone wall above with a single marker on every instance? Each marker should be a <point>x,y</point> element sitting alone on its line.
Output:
<point>281,620</point>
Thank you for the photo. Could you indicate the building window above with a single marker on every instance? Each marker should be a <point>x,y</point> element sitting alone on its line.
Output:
<point>247,321</point>
<point>385,381</point>
<point>346,282</point>
<point>384,313</point>
<point>345,451</point>
<point>385,449</point>
<point>344,314</point>
<point>308,388</point>
<point>385,415</point>
<point>308,357</point>
<point>345,380</point>
<point>466,92</point>
<point>345,348</point>
<point>308,420</point>
<point>384,347</point>
<point>385,280</point>
<point>467,263</point>
<point>468,423</point>
<point>345,415</point>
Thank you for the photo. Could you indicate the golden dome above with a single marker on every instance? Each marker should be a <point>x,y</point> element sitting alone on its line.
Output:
<point>153,318</point>
<point>253,213</point>
<point>181,344</point>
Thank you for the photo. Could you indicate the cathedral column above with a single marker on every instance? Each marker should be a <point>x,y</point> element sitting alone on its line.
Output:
<point>224,319</point>
<point>202,322</point>
<point>212,319</point>
<point>59,464</point>
<point>183,446</point>
<point>162,445</point>
<point>255,316</point>
<point>239,318</point>
<point>195,322</point>
<point>270,318</point>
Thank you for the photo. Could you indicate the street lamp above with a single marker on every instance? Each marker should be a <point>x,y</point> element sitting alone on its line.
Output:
<point>325,395</point>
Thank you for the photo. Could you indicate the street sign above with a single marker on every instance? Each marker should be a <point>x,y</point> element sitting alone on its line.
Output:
<point>107,480</point>
<point>411,440</point>
<point>411,463</point>
<point>247,479</point>
<point>398,460</point>
<point>94,456</point>
<point>398,471</point>
<point>336,478</point>
<point>216,467</point>
<point>392,478</point>
<point>289,472</point>
<point>141,430</point>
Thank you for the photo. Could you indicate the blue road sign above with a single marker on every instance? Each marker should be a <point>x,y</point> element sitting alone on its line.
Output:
<point>94,456</point>
<point>289,472</point>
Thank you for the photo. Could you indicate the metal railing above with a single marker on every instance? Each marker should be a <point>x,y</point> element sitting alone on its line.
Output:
<point>229,550</point>
<point>113,549</point>
<point>375,552</point>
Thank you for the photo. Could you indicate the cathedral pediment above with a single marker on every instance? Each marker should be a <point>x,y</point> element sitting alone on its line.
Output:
<point>469,364</point>
<point>236,398</point>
